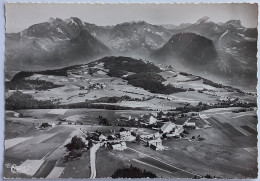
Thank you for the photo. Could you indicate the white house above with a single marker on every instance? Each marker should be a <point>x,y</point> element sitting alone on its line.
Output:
<point>102,137</point>
<point>152,120</point>
<point>149,136</point>
<point>190,124</point>
<point>120,146</point>
<point>149,119</point>
<point>124,134</point>
<point>156,144</point>
<point>155,114</point>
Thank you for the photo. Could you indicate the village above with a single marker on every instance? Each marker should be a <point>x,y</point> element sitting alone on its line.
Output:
<point>164,125</point>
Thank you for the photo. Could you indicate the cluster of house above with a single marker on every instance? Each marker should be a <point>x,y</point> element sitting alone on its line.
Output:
<point>97,86</point>
<point>154,140</point>
<point>160,119</point>
<point>162,123</point>
<point>231,99</point>
<point>113,141</point>
<point>165,128</point>
<point>146,119</point>
<point>93,86</point>
<point>74,119</point>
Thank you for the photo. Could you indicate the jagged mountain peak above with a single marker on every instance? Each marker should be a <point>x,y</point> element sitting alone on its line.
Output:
<point>234,23</point>
<point>74,21</point>
<point>204,19</point>
<point>51,20</point>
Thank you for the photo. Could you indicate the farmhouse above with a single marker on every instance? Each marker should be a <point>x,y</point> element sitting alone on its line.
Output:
<point>150,120</point>
<point>168,127</point>
<point>102,137</point>
<point>155,114</point>
<point>126,135</point>
<point>162,115</point>
<point>156,144</point>
<point>177,131</point>
<point>151,136</point>
<point>125,117</point>
<point>190,124</point>
<point>119,146</point>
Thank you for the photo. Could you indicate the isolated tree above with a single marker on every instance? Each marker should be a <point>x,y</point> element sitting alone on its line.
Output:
<point>138,139</point>
<point>75,144</point>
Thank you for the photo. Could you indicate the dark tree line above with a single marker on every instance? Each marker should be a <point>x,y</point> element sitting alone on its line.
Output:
<point>221,104</point>
<point>57,72</point>
<point>26,84</point>
<point>152,82</point>
<point>132,172</point>
<point>18,100</point>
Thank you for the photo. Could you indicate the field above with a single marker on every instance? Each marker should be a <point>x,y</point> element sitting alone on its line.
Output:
<point>228,148</point>
<point>80,85</point>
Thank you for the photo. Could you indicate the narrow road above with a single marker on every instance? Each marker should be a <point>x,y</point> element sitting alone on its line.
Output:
<point>93,151</point>
<point>241,116</point>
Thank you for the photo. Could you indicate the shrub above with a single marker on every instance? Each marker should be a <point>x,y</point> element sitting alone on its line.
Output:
<point>45,125</point>
<point>75,144</point>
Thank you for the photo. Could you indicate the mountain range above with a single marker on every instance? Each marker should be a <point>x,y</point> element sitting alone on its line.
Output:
<point>224,50</point>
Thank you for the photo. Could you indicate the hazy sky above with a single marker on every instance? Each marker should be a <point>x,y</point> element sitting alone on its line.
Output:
<point>20,16</point>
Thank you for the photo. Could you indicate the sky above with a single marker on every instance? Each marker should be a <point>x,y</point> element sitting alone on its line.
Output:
<point>20,16</point>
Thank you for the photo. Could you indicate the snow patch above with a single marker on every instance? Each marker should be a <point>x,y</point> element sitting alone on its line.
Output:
<point>222,37</point>
<point>60,31</point>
